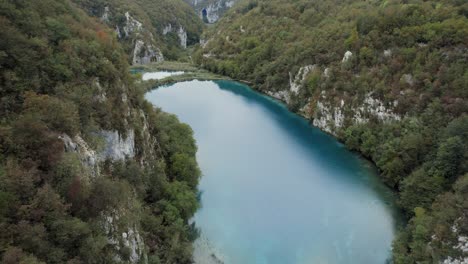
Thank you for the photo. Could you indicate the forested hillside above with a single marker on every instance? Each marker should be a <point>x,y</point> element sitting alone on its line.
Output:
<point>89,171</point>
<point>149,30</point>
<point>388,78</point>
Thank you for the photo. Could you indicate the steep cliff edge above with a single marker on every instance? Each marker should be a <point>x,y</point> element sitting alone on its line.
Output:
<point>89,171</point>
<point>387,78</point>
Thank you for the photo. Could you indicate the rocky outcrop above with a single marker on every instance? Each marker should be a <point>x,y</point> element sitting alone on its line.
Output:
<point>126,236</point>
<point>151,146</point>
<point>144,50</point>
<point>88,157</point>
<point>132,26</point>
<point>296,82</point>
<point>181,33</point>
<point>330,116</point>
<point>280,95</point>
<point>451,260</point>
<point>105,16</point>
<point>183,37</point>
<point>348,54</point>
<point>145,53</point>
<point>461,246</point>
<point>211,10</point>
<point>117,147</point>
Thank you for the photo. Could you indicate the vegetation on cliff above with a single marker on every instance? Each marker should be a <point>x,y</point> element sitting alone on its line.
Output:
<point>64,82</point>
<point>155,17</point>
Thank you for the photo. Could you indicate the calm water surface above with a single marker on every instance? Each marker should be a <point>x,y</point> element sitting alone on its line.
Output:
<point>274,189</point>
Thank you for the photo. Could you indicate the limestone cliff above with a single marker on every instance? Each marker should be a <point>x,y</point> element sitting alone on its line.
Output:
<point>121,224</point>
<point>147,28</point>
<point>211,10</point>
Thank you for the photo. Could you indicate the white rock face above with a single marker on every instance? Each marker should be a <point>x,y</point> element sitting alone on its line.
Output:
<point>105,16</point>
<point>377,108</point>
<point>451,260</point>
<point>280,95</point>
<point>331,118</point>
<point>150,143</point>
<point>88,157</point>
<point>181,33</point>
<point>144,54</point>
<point>132,25</point>
<point>118,32</point>
<point>117,147</point>
<point>296,82</point>
<point>130,238</point>
<point>326,73</point>
<point>387,53</point>
<point>323,121</point>
<point>214,9</point>
<point>101,95</point>
<point>348,54</point>
<point>461,246</point>
<point>327,118</point>
<point>167,29</point>
<point>182,37</point>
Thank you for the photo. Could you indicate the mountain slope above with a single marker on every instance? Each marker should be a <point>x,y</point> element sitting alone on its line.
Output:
<point>89,171</point>
<point>149,30</point>
<point>388,78</point>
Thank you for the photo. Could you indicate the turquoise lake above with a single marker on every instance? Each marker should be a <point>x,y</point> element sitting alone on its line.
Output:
<point>274,189</point>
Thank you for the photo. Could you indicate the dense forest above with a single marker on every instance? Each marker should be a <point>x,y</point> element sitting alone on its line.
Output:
<point>89,171</point>
<point>388,78</point>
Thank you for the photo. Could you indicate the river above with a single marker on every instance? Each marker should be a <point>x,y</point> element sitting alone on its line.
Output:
<point>274,189</point>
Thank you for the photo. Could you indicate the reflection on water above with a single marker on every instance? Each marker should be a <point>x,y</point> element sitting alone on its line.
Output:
<point>276,190</point>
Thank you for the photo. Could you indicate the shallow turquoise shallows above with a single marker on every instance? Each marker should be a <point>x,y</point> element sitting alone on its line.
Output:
<point>274,189</point>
